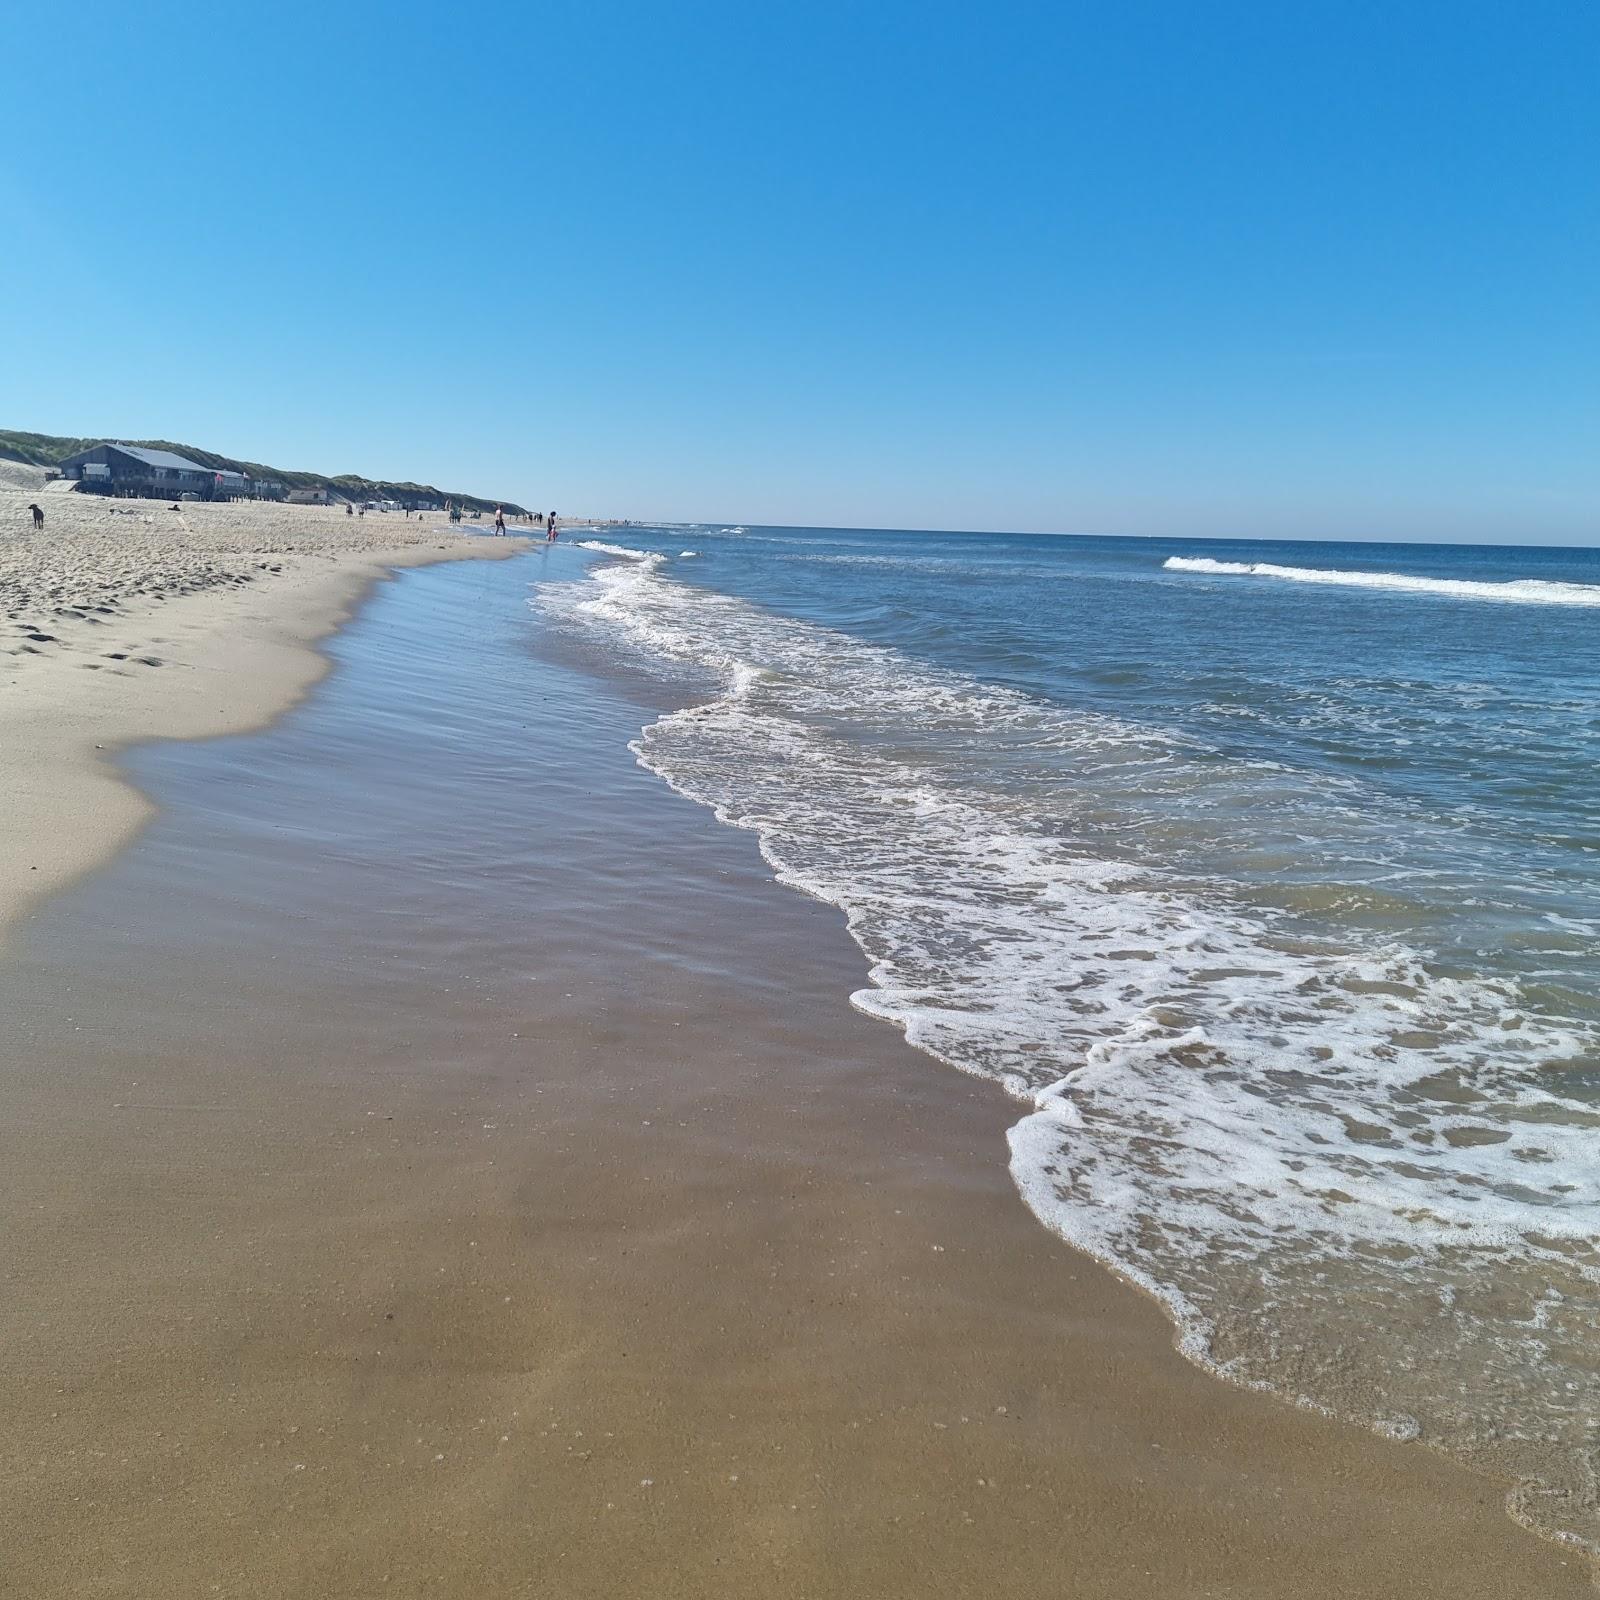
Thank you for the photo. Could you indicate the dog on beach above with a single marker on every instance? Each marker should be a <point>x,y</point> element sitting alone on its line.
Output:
<point>38,515</point>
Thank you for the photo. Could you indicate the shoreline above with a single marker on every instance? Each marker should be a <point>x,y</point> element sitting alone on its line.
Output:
<point>1193,1179</point>
<point>280,663</point>
<point>230,656</point>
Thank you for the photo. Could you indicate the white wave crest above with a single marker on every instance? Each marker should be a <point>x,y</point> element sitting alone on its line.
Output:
<point>1518,591</point>
<point>615,550</point>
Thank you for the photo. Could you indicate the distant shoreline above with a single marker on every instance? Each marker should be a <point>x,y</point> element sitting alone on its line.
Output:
<point>124,622</point>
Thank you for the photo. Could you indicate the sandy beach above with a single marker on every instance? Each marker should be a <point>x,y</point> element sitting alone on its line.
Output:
<point>439,1160</point>
<point>124,620</point>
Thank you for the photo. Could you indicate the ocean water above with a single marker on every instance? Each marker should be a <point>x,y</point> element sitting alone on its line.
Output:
<point>1264,877</point>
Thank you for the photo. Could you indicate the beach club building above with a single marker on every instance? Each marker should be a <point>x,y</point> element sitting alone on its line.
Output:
<point>131,469</point>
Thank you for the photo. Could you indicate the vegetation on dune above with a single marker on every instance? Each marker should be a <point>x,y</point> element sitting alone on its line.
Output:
<point>50,450</point>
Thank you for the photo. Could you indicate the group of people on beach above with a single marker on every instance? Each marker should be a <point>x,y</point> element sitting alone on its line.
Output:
<point>548,521</point>
<point>551,532</point>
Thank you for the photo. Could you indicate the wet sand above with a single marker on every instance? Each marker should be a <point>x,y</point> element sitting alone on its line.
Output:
<point>126,620</point>
<point>438,1160</point>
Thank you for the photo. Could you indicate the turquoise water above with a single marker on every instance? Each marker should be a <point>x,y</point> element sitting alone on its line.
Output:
<point>1265,877</point>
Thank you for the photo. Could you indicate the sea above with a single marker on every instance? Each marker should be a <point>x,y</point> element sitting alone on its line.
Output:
<point>1263,877</point>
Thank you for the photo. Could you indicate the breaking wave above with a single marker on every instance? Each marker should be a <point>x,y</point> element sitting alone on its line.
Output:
<point>1519,591</point>
<point>1352,1177</point>
<point>600,547</point>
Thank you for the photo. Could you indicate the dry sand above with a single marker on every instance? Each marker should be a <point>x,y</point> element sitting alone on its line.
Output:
<point>668,1276</point>
<point>124,620</point>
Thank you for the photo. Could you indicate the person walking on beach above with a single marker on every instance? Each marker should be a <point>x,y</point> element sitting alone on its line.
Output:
<point>550,528</point>
<point>38,515</point>
<point>500,521</point>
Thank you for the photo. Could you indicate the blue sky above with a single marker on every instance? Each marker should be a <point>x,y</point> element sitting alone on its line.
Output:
<point>1324,270</point>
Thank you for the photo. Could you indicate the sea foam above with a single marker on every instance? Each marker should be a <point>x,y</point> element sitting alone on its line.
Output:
<point>1518,591</point>
<point>602,548</point>
<point>1296,1144</point>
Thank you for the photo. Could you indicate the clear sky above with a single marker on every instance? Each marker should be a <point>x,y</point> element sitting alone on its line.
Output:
<point>1276,268</point>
